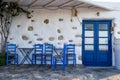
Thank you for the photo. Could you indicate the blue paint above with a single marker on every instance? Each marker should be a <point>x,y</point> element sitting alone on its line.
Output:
<point>38,54</point>
<point>96,57</point>
<point>11,52</point>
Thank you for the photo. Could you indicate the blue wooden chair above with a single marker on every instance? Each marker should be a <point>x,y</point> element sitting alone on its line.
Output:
<point>38,53</point>
<point>48,55</point>
<point>60,59</point>
<point>11,55</point>
<point>70,53</point>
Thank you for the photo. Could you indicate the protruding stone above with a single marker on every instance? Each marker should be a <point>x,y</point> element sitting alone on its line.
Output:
<point>74,28</point>
<point>35,34</point>
<point>51,38</point>
<point>30,42</point>
<point>60,19</point>
<point>32,11</point>
<point>32,20</point>
<point>46,21</point>
<point>78,35</point>
<point>71,20</point>
<point>18,26</point>
<point>118,32</point>
<point>60,37</point>
<point>98,13</point>
<point>24,37</point>
<point>59,43</point>
<point>70,40</point>
<point>11,38</point>
<point>30,28</point>
<point>58,30</point>
<point>39,39</point>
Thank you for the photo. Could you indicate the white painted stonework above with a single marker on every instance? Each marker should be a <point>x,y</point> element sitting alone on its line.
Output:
<point>50,30</point>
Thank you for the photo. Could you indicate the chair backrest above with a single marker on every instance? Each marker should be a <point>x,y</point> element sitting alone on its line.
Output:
<point>11,48</point>
<point>70,48</point>
<point>48,48</point>
<point>38,48</point>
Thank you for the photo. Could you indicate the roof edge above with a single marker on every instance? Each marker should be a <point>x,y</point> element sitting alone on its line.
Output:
<point>92,3</point>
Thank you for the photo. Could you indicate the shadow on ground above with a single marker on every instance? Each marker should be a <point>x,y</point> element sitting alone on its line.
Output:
<point>37,72</point>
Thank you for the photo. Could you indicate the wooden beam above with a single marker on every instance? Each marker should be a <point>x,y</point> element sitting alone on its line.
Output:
<point>29,5</point>
<point>48,3</point>
<point>90,6</point>
<point>62,5</point>
<point>78,5</point>
<point>18,1</point>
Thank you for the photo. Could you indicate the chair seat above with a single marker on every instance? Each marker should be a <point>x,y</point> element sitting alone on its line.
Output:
<point>37,54</point>
<point>71,54</point>
<point>12,54</point>
<point>58,56</point>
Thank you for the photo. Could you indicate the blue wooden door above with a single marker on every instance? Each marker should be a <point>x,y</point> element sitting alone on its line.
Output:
<point>96,43</point>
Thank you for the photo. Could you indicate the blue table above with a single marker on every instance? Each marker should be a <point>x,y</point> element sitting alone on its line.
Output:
<point>26,55</point>
<point>59,58</point>
<point>58,51</point>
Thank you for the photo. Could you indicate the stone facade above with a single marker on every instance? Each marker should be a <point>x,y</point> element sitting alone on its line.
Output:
<point>58,24</point>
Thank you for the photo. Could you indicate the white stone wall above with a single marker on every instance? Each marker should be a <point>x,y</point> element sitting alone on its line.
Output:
<point>45,31</point>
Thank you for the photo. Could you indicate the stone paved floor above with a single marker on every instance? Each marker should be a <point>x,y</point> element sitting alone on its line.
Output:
<point>36,72</point>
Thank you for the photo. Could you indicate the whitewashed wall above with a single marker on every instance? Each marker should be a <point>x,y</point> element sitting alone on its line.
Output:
<point>45,31</point>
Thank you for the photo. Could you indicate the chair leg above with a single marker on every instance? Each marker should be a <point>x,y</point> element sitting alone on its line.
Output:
<point>6,60</point>
<point>33,59</point>
<point>45,59</point>
<point>53,64</point>
<point>67,61</point>
<point>51,59</point>
<point>63,67</point>
<point>75,60</point>
<point>41,60</point>
<point>16,60</point>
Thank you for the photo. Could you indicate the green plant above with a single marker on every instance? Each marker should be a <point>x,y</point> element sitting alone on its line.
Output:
<point>8,10</point>
<point>2,59</point>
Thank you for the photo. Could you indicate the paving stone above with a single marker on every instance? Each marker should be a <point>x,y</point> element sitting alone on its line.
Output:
<point>37,72</point>
<point>65,78</point>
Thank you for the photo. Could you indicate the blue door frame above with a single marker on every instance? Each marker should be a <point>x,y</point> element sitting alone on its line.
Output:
<point>100,54</point>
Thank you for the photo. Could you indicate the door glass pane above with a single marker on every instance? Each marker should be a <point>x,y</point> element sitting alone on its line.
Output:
<point>103,33</point>
<point>103,40</point>
<point>89,34</point>
<point>103,47</point>
<point>89,40</point>
<point>103,27</point>
<point>89,27</point>
<point>89,47</point>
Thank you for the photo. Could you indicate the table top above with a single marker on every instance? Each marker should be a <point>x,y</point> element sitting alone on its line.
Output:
<point>25,48</point>
<point>56,48</point>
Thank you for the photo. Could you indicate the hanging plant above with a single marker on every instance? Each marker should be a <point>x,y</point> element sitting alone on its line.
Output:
<point>8,10</point>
